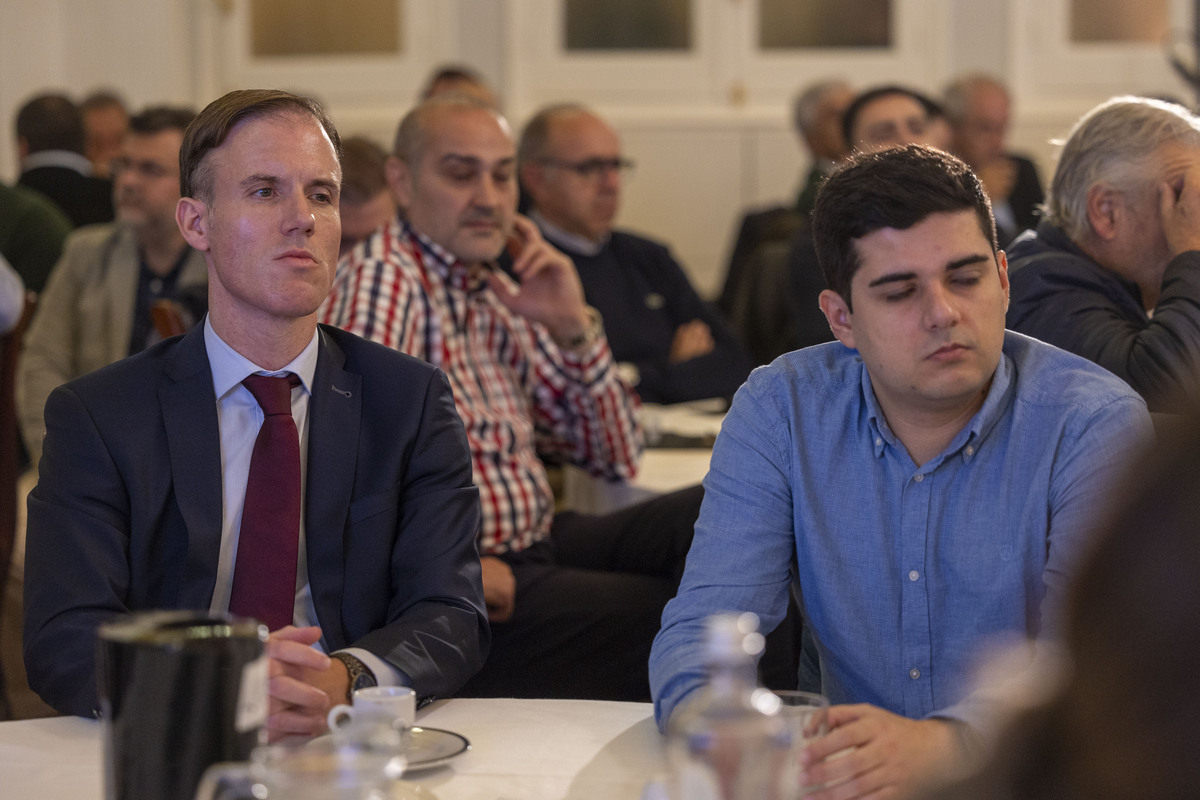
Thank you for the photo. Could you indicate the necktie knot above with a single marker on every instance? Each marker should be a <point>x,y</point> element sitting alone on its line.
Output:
<point>273,393</point>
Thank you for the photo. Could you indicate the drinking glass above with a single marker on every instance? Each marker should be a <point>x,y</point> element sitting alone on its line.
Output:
<point>807,718</point>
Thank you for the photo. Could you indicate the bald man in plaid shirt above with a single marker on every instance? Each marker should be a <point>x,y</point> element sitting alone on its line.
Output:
<point>574,600</point>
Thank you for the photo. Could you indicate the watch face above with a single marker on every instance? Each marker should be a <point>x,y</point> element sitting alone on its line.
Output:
<point>362,681</point>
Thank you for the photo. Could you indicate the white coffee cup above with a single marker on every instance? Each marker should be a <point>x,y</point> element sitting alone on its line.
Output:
<point>395,704</point>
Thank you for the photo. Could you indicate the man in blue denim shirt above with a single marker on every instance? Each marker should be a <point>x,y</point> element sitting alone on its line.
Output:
<point>926,482</point>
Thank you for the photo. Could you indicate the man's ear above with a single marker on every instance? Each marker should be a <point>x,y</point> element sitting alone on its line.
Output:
<point>1002,270</point>
<point>191,215</point>
<point>1104,207</point>
<point>837,312</point>
<point>398,181</point>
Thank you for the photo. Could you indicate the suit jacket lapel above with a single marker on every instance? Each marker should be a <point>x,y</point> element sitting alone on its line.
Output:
<point>189,411</point>
<point>334,416</point>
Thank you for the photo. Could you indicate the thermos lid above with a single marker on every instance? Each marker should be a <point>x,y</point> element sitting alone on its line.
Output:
<point>180,628</point>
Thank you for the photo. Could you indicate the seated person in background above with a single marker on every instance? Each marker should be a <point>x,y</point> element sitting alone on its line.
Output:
<point>888,116</point>
<point>1120,722</point>
<point>977,108</point>
<point>1113,271</point>
<point>357,538</point>
<point>32,232</point>
<point>922,484</point>
<point>574,600</point>
<point>50,141</point>
<point>676,347</point>
<point>817,118</point>
<point>98,306</point>
<point>366,202</point>
<point>105,123</point>
<point>459,79</point>
<point>880,117</point>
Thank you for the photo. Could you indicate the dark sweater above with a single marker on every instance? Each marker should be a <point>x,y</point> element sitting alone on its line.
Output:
<point>643,295</point>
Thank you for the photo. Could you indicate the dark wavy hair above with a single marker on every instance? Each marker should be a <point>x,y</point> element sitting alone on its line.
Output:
<point>893,188</point>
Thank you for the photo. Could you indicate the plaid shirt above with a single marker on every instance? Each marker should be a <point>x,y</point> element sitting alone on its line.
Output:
<point>516,392</point>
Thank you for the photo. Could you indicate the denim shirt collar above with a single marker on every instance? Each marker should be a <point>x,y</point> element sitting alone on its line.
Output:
<point>967,441</point>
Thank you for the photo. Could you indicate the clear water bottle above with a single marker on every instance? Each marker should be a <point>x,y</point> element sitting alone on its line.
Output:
<point>727,743</point>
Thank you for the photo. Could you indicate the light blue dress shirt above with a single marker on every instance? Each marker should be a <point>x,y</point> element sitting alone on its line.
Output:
<point>902,571</point>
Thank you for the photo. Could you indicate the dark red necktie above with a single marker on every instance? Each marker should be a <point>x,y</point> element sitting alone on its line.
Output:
<point>264,577</point>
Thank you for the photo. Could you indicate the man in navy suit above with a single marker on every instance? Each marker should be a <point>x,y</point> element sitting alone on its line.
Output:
<point>145,463</point>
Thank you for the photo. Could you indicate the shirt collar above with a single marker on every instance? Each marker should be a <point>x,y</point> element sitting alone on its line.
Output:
<point>973,433</point>
<point>57,158</point>
<point>569,241</point>
<point>229,367</point>
<point>446,264</point>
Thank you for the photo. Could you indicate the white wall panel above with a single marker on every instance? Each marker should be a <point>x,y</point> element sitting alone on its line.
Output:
<point>687,181</point>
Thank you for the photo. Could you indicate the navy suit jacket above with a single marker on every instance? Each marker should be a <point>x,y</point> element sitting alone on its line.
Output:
<point>127,513</point>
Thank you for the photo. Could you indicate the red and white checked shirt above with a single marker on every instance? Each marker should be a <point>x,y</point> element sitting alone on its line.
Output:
<point>516,392</point>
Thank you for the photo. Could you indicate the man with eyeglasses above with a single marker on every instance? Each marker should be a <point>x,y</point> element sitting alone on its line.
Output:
<point>100,300</point>
<point>667,339</point>
<point>574,600</point>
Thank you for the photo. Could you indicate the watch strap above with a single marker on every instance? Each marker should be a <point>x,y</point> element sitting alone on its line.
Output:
<point>360,674</point>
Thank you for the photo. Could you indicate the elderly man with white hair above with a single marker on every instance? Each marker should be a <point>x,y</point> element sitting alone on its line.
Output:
<point>1113,272</point>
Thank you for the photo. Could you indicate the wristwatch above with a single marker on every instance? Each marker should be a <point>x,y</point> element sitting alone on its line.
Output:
<point>590,334</point>
<point>360,674</point>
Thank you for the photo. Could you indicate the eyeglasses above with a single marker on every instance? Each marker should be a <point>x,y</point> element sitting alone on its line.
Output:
<point>591,168</point>
<point>149,170</point>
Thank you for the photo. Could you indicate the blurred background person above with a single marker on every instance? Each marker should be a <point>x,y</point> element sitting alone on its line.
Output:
<point>366,202</point>
<point>100,303</point>
<point>32,231</point>
<point>1113,271</point>
<point>670,343</point>
<point>105,122</point>
<point>817,121</point>
<point>893,115</point>
<point>978,108</point>
<point>459,79</point>
<point>50,141</point>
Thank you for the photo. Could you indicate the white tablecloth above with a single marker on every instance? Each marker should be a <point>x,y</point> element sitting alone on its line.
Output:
<point>519,749</point>
<point>662,469</point>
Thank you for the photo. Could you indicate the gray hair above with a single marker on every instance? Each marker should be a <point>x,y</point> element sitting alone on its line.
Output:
<point>1114,143</point>
<point>957,97</point>
<point>807,103</point>
<point>412,134</point>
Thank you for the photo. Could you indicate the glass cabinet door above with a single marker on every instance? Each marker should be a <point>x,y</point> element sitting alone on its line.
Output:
<point>349,52</point>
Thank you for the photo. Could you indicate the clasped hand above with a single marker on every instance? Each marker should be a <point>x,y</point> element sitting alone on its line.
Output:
<point>886,755</point>
<point>304,684</point>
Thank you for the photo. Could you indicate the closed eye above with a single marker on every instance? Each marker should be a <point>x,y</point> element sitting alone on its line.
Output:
<point>903,294</point>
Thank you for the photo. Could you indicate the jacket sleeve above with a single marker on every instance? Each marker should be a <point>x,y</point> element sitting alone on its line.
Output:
<point>436,631</point>
<point>77,559</point>
<point>1073,306</point>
